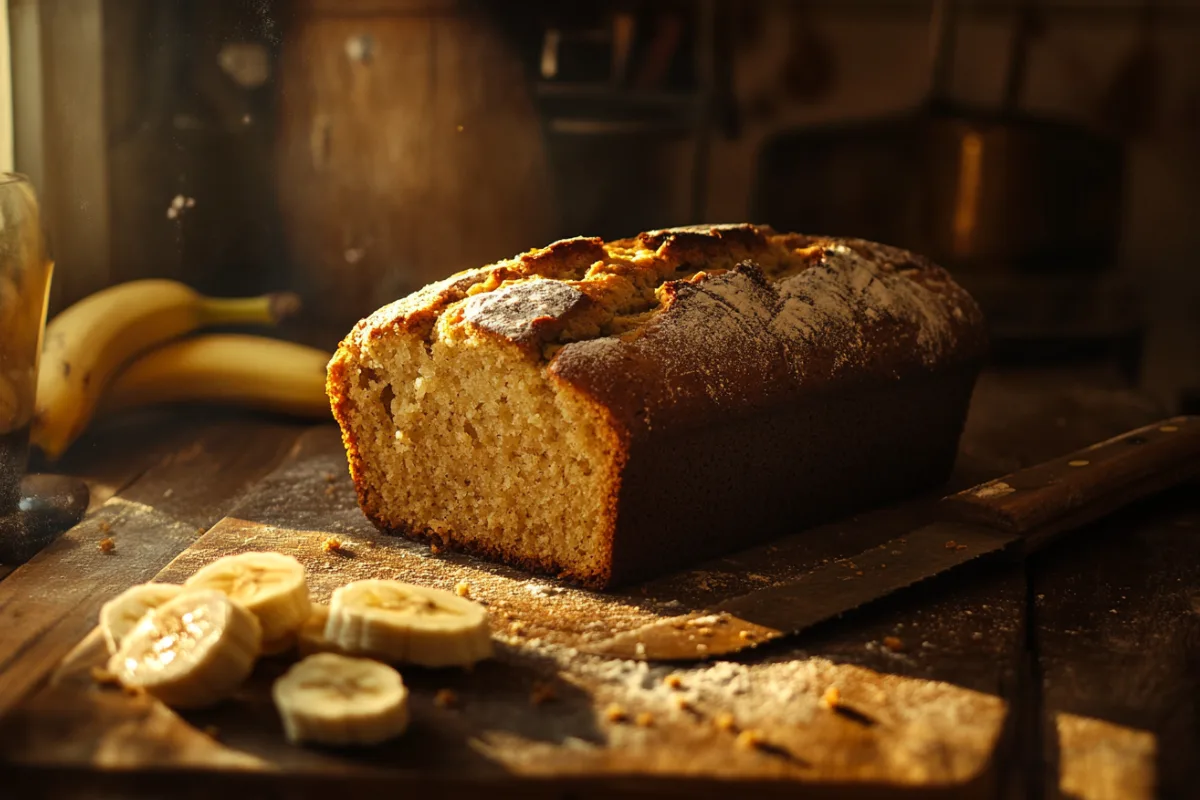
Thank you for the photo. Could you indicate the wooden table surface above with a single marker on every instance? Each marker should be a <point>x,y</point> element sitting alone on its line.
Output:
<point>1075,674</point>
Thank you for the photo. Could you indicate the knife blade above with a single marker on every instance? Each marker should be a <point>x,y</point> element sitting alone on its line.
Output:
<point>1010,517</point>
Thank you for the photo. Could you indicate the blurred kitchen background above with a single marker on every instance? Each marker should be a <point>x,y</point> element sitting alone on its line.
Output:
<point>1047,151</point>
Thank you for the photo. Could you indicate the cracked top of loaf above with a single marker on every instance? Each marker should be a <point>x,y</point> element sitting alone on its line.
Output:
<point>675,326</point>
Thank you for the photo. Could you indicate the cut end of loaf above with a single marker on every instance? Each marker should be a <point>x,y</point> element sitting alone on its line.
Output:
<point>505,462</point>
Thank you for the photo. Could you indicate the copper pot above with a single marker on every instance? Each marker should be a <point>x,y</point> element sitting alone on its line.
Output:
<point>984,190</point>
<point>1020,193</point>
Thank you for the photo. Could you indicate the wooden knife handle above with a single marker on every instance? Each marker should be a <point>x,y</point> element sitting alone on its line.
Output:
<point>1044,500</point>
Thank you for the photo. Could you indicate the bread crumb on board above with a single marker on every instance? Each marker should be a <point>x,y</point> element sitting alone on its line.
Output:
<point>446,698</point>
<point>462,589</point>
<point>542,692</point>
<point>336,546</point>
<point>893,643</point>
<point>106,545</point>
<point>750,739</point>
<point>724,721</point>
<point>831,698</point>
<point>105,526</point>
<point>615,713</point>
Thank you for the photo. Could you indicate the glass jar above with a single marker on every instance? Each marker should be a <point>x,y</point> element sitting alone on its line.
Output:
<point>25,271</point>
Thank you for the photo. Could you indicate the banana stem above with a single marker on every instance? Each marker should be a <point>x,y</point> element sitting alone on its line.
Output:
<point>269,309</point>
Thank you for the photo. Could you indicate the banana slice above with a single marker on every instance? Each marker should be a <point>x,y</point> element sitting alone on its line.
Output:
<point>119,615</point>
<point>399,622</point>
<point>310,638</point>
<point>192,651</point>
<point>334,699</point>
<point>270,585</point>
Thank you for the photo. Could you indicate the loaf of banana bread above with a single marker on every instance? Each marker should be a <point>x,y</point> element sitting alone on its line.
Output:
<point>607,410</point>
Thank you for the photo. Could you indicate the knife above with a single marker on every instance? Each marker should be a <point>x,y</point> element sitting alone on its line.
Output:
<point>1011,516</point>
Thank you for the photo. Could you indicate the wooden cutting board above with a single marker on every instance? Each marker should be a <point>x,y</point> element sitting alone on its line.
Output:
<point>541,710</point>
<point>937,692</point>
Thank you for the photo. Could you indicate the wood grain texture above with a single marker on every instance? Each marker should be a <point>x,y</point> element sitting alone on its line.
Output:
<point>936,693</point>
<point>459,180</point>
<point>1086,484</point>
<point>1102,761</point>
<point>919,732</point>
<point>1117,636</point>
<point>50,603</point>
<point>104,459</point>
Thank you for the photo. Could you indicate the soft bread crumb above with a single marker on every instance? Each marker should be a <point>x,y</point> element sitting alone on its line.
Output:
<point>106,545</point>
<point>552,444</point>
<point>462,589</point>
<point>832,697</point>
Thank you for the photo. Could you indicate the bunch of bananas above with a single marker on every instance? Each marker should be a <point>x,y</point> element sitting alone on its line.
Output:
<point>123,347</point>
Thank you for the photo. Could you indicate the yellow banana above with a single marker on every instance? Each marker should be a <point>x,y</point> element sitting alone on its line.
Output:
<point>251,371</point>
<point>89,342</point>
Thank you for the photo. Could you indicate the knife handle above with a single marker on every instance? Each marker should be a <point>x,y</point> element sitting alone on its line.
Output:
<point>1047,499</point>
